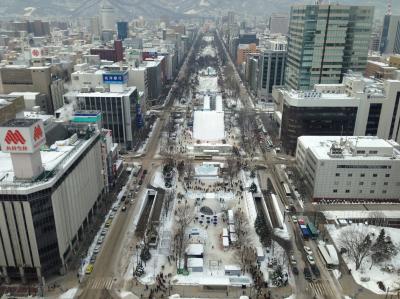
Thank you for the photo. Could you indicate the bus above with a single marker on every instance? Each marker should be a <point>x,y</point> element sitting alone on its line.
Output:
<point>326,257</point>
<point>304,231</point>
<point>287,190</point>
<point>313,230</point>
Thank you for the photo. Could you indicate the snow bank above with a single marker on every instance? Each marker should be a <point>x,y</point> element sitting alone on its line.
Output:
<point>374,273</point>
<point>70,294</point>
<point>208,84</point>
<point>208,125</point>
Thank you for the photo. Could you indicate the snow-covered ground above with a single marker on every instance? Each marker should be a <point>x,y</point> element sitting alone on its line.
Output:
<point>374,273</point>
<point>208,84</point>
<point>208,51</point>
<point>143,147</point>
<point>70,294</point>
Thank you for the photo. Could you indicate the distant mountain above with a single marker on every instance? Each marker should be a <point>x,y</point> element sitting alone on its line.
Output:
<point>171,8</point>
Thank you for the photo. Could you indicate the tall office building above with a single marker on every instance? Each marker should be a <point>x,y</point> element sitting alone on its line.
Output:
<point>122,30</point>
<point>325,41</point>
<point>279,23</point>
<point>107,15</point>
<point>95,26</point>
<point>271,66</point>
<point>390,38</point>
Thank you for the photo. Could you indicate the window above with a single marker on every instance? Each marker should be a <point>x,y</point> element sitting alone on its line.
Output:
<point>349,174</point>
<point>362,175</point>
<point>334,190</point>
<point>373,152</point>
<point>384,191</point>
<point>360,152</point>
<point>337,174</point>
<point>359,191</point>
<point>375,175</point>
<point>347,191</point>
<point>361,183</point>
<point>373,183</point>
<point>387,175</point>
<point>371,191</point>
<point>386,183</point>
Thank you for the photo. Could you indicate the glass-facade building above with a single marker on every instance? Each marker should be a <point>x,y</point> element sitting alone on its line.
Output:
<point>122,29</point>
<point>325,41</point>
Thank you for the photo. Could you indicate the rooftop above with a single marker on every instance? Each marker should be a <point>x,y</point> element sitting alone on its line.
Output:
<point>351,147</point>
<point>20,122</point>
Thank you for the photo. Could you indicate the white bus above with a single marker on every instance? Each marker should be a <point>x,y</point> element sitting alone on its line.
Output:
<point>286,188</point>
<point>326,257</point>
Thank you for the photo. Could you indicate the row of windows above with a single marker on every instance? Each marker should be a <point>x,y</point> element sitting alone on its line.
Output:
<point>360,191</point>
<point>348,183</point>
<point>365,166</point>
<point>375,175</point>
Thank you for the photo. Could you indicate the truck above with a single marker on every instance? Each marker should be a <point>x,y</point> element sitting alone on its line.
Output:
<point>304,231</point>
<point>313,230</point>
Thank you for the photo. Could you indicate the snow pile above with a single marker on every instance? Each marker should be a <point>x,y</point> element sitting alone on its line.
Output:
<point>208,51</point>
<point>366,272</point>
<point>207,83</point>
<point>208,125</point>
<point>158,180</point>
<point>143,147</point>
<point>70,294</point>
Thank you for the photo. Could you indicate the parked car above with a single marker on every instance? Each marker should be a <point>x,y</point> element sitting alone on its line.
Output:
<point>96,249</point>
<point>100,240</point>
<point>310,259</point>
<point>294,219</point>
<point>104,231</point>
<point>93,259</point>
<point>123,209</point>
<point>307,274</point>
<point>108,223</point>
<point>293,260</point>
<point>308,250</point>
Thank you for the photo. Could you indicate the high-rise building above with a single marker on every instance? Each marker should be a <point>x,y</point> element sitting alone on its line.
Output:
<point>325,41</point>
<point>122,30</point>
<point>107,15</point>
<point>46,200</point>
<point>271,66</point>
<point>279,23</point>
<point>95,26</point>
<point>390,39</point>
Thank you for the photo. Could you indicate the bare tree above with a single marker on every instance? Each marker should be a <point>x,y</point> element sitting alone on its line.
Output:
<point>232,167</point>
<point>377,218</point>
<point>184,215</point>
<point>241,228</point>
<point>189,169</point>
<point>357,243</point>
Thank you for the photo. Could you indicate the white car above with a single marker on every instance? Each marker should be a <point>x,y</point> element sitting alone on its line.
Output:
<point>310,259</point>
<point>294,219</point>
<point>96,250</point>
<point>100,240</point>
<point>104,231</point>
<point>308,250</point>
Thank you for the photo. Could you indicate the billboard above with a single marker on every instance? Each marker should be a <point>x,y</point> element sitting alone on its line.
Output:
<point>115,78</point>
<point>22,139</point>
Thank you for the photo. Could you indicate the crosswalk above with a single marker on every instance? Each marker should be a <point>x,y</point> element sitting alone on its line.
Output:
<point>100,283</point>
<point>321,288</point>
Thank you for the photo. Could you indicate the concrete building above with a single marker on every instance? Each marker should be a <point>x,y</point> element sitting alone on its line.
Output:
<point>120,106</point>
<point>47,197</point>
<point>42,79</point>
<point>279,23</point>
<point>325,42</point>
<point>394,60</point>
<point>379,70</point>
<point>115,53</point>
<point>243,50</point>
<point>271,68</point>
<point>95,26</point>
<point>390,38</point>
<point>359,106</point>
<point>356,169</point>
<point>107,16</point>
<point>32,100</point>
<point>10,106</point>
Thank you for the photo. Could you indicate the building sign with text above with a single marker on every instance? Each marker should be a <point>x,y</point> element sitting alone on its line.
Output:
<point>23,139</point>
